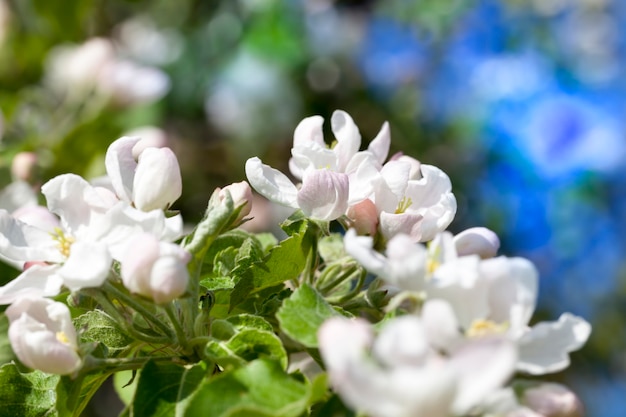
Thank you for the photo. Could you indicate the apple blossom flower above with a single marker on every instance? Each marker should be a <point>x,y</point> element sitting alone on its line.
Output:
<point>323,195</point>
<point>93,228</point>
<point>417,204</point>
<point>498,296</point>
<point>150,183</point>
<point>478,241</point>
<point>155,269</point>
<point>23,166</point>
<point>398,374</point>
<point>42,335</point>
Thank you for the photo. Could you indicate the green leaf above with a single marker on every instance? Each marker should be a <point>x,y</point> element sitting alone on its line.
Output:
<point>6,352</point>
<point>163,389</point>
<point>262,388</point>
<point>245,346</point>
<point>73,395</point>
<point>303,313</point>
<point>99,327</point>
<point>285,262</point>
<point>27,395</point>
<point>125,385</point>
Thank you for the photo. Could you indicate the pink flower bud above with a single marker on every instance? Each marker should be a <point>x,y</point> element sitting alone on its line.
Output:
<point>363,217</point>
<point>154,269</point>
<point>42,335</point>
<point>241,193</point>
<point>157,183</point>
<point>553,400</point>
<point>23,166</point>
<point>477,241</point>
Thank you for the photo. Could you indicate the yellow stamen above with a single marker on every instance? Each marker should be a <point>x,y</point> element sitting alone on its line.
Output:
<point>404,204</point>
<point>64,242</point>
<point>432,265</point>
<point>62,337</point>
<point>481,328</point>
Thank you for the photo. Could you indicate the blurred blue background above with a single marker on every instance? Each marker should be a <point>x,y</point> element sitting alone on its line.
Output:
<point>521,102</point>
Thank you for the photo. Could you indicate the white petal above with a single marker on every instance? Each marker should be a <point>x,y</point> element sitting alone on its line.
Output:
<point>311,155</point>
<point>407,263</point>
<point>544,349</point>
<point>477,241</point>
<point>441,325</point>
<point>347,135</point>
<point>75,201</point>
<point>361,248</point>
<point>36,281</point>
<point>343,340</point>
<point>379,146</point>
<point>121,165</point>
<point>271,183</point>
<point>396,175</point>
<point>513,290</point>
<point>482,367</point>
<point>324,194</point>
<point>88,265</point>
<point>157,183</point>
<point>402,342</point>
<point>392,224</point>
<point>309,130</point>
<point>22,242</point>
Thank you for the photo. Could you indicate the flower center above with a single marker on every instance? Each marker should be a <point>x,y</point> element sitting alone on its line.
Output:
<point>481,328</point>
<point>404,204</point>
<point>62,337</point>
<point>64,242</point>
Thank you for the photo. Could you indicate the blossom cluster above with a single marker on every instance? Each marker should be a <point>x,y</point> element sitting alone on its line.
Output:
<point>408,319</point>
<point>458,323</point>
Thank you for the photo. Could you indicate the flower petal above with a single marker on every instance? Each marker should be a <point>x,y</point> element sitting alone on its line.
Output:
<point>309,130</point>
<point>88,265</point>
<point>324,194</point>
<point>121,165</point>
<point>348,138</point>
<point>544,349</point>
<point>379,146</point>
<point>22,242</point>
<point>36,281</point>
<point>271,183</point>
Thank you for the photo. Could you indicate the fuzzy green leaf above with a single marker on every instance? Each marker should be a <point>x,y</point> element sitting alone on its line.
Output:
<point>303,313</point>
<point>30,394</point>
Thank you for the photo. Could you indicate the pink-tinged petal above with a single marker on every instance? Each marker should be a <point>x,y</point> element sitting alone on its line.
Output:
<point>271,183</point>
<point>309,130</point>
<point>121,165</point>
<point>75,201</point>
<point>364,174</point>
<point>324,194</point>
<point>88,265</point>
<point>348,138</point>
<point>482,367</point>
<point>546,347</point>
<point>406,223</point>
<point>39,217</point>
<point>36,281</point>
<point>361,248</point>
<point>158,182</point>
<point>379,146</point>
<point>477,241</point>
<point>363,217</point>
<point>22,242</point>
<point>42,335</point>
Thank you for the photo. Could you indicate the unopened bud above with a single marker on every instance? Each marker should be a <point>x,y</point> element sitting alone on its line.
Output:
<point>477,241</point>
<point>553,400</point>
<point>363,217</point>
<point>23,166</point>
<point>151,137</point>
<point>241,193</point>
<point>154,269</point>
<point>157,183</point>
